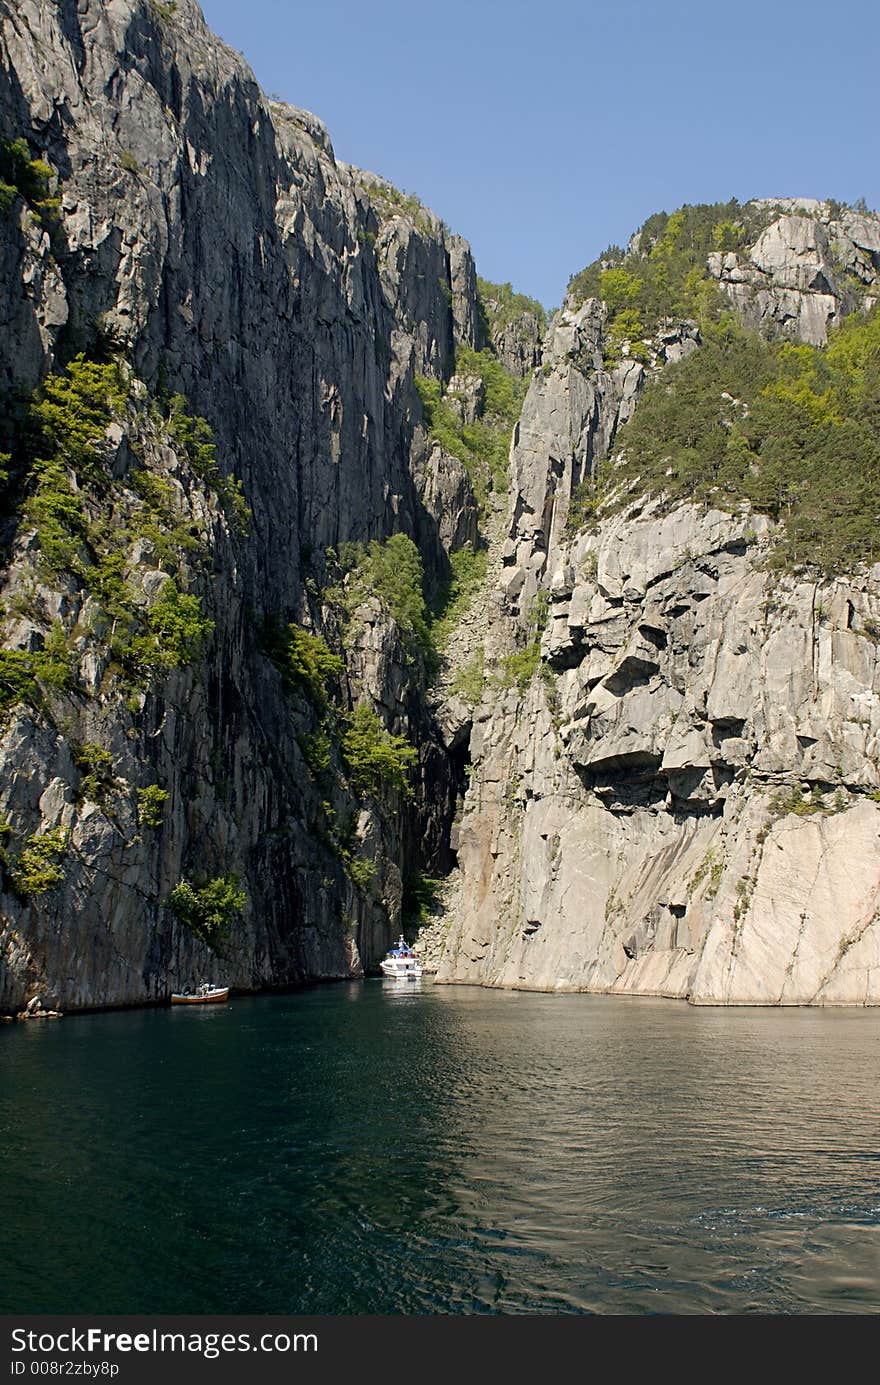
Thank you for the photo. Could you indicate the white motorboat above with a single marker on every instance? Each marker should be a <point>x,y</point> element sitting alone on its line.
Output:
<point>401,963</point>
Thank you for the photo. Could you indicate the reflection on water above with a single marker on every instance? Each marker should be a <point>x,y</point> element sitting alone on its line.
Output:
<point>387,1148</point>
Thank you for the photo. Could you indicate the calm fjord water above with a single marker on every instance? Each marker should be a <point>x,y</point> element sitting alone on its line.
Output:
<point>368,1148</point>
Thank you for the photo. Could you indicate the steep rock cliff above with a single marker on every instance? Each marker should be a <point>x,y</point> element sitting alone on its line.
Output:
<point>808,268</point>
<point>210,240</point>
<point>675,756</point>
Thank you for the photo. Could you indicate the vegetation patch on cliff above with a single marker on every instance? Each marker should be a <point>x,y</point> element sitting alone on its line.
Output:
<point>305,660</point>
<point>374,757</point>
<point>483,445</point>
<point>793,430</point>
<point>467,575</point>
<point>150,806</point>
<point>388,201</point>
<point>470,680</point>
<point>500,307</point>
<point>26,676</point>
<point>77,474</point>
<point>39,867</point>
<point>391,572</point>
<point>663,273</point>
<point>26,177</point>
<point>194,436</point>
<point>421,898</point>
<point>519,668</point>
<point>95,765</point>
<point>368,759</point>
<point>208,909</point>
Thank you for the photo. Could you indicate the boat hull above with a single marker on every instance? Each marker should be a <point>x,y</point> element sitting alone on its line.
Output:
<point>213,998</point>
<point>395,972</point>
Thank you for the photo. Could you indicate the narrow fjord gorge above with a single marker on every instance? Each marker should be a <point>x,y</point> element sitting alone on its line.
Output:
<point>341,591</point>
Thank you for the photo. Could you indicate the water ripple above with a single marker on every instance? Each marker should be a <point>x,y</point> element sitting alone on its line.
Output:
<point>352,1150</point>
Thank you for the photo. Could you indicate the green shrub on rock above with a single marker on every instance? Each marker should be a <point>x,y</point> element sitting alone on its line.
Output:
<point>210,909</point>
<point>178,630</point>
<point>306,662</point>
<point>519,668</point>
<point>75,410</point>
<point>39,869</point>
<point>483,446</point>
<point>193,434</point>
<point>506,305</point>
<point>97,529</point>
<point>468,573</point>
<point>24,673</point>
<point>391,571</point>
<point>22,176</point>
<point>664,275</point>
<point>150,806</point>
<point>421,896</point>
<point>96,771</point>
<point>375,758</point>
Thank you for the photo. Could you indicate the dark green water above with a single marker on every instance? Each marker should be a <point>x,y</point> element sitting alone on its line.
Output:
<point>366,1148</point>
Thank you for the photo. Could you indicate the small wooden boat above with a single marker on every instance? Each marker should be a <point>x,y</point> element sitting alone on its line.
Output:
<point>204,995</point>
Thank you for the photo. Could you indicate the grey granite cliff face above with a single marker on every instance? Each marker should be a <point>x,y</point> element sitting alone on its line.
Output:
<point>515,332</point>
<point>811,265</point>
<point>212,238</point>
<point>683,798</point>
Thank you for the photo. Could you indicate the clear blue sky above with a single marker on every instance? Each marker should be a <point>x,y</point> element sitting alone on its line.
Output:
<point>544,131</point>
